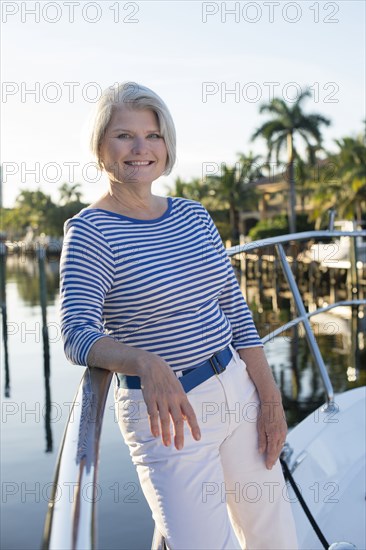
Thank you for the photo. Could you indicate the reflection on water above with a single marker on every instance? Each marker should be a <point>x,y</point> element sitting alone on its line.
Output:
<point>37,284</point>
<point>33,423</point>
<point>24,272</point>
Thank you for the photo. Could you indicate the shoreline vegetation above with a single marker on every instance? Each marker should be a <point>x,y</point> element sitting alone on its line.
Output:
<point>257,197</point>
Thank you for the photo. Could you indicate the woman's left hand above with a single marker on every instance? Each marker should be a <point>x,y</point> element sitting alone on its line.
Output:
<point>272,429</point>
<point>271,424</point>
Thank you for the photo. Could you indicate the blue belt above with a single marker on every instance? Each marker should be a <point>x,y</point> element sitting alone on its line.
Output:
<point>192,377</point>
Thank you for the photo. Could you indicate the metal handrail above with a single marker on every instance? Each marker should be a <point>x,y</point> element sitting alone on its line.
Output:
<point>283,239</point>
<point>298,320</point>
<point>303,316</point>
<point>71,522</point>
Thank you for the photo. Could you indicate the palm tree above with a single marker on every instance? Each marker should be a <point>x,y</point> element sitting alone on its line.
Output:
<point>352,168</point>
<point>346,188</point>
<point>286,122</point>
<point>69,193</point>
<point>195,190</point>
<point>233,188</point>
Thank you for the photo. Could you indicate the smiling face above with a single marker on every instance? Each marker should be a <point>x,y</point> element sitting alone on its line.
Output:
<point>132,149</point>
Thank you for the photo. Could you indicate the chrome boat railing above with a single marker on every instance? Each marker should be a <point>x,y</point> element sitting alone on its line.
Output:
<point>71,523</point>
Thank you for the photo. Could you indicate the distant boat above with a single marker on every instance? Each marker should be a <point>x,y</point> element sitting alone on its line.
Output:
<point>32,244</point>
<point>337,254</point>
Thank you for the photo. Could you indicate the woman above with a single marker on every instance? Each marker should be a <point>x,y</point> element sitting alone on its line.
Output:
<point>148,292</point>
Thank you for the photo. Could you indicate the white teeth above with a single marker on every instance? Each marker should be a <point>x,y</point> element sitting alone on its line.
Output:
<point>138,162</point>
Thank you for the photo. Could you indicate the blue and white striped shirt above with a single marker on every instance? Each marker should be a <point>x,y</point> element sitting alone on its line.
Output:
<point>164,285</point>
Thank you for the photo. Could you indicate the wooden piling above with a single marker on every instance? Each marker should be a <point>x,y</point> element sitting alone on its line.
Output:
<point>41,254</point>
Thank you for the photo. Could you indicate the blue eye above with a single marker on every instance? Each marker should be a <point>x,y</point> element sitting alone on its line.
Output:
<point>155,136</point>
<point>123,136</point>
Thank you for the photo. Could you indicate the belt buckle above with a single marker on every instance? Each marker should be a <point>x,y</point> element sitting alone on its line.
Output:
<point>218,368</point>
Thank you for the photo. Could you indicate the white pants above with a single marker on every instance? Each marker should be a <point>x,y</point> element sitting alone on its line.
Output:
<point>216,493</point>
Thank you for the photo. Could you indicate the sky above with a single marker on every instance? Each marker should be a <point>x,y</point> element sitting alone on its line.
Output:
<point>213,63</point>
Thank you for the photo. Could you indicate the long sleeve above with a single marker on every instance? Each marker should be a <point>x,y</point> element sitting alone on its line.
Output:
<point>86,275</point>
<point>231,300</point>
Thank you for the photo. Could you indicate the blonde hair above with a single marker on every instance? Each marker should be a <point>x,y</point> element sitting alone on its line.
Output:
<point>135,96</point>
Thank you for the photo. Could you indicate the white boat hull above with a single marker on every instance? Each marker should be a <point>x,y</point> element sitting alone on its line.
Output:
<point>330,450</point>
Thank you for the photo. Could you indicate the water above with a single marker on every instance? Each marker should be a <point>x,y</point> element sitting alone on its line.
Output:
<point>30,444</point>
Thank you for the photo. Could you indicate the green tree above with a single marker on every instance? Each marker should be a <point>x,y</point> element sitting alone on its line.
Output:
<point>286,122</point>
<point>342,180</point>
<point>69,193</point>
<point>195,190</point>
<point>36,208</point>
<point>13,223</point>
<point>278,225</point>
<point>234,188</point>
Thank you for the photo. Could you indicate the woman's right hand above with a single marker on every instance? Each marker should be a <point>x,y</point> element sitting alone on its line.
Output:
<point>165,399</point>
<point>164,395</point>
